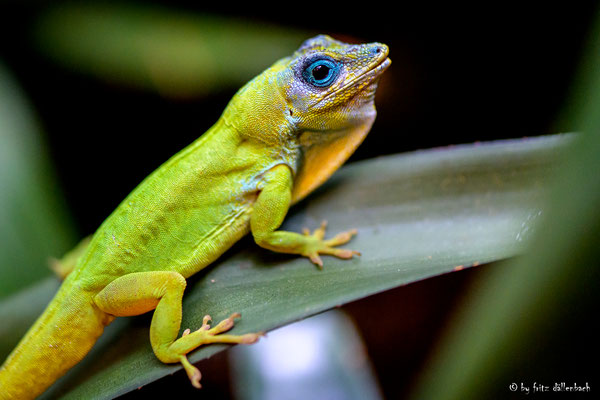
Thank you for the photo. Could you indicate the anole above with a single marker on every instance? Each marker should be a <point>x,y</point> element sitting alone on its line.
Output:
<point>282,135</point>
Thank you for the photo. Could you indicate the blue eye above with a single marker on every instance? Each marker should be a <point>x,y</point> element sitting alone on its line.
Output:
<point>321,73</point>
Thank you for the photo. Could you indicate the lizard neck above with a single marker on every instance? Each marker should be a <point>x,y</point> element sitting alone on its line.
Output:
<point>260,112</point>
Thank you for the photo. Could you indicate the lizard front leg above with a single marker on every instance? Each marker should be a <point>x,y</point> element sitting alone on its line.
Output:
<point>162,291</point>
<point>269,211</point>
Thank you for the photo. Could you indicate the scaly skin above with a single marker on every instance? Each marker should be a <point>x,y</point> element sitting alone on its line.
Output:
<point>283,134</point>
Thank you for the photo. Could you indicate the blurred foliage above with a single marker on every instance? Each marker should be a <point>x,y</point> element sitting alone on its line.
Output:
<point>177,54</point>
<point>34,224</point>
<point>321,357</point>
<point>532,320</point>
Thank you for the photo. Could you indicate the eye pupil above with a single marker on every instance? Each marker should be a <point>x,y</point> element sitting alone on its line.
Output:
<point>320,72</point>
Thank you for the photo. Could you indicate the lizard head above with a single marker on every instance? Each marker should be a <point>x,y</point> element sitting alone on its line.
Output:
<point>331,85</point>
<point>330,94</point>
<point>318,101</point>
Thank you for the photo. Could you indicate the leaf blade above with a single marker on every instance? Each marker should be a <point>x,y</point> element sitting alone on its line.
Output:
<point>418,214</point>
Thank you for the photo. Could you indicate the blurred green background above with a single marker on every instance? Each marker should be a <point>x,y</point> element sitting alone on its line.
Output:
<point>113,89</point>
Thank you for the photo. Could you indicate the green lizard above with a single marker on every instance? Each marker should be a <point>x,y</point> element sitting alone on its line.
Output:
<point>282,135</point>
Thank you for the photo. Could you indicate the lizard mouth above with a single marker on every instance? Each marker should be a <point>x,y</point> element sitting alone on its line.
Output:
<point>379,68</point>
<point>370,76</point>
<point>380,64</point>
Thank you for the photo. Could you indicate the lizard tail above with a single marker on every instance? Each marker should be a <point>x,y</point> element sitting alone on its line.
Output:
<point>59,339</point>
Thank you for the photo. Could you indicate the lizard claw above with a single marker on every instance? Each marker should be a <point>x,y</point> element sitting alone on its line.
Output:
<point>320,246</point>
<point>192,372</point>
<point>205,323</point>
<point>316,259</point>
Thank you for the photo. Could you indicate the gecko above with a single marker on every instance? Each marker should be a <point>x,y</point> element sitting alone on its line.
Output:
<point>281,136</point>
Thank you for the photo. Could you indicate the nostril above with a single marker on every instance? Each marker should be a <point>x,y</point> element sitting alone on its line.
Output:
<point>377,50</point>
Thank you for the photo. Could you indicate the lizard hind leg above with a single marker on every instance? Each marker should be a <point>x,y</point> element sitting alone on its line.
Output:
<point>162,291</point>
<point>64,266</point>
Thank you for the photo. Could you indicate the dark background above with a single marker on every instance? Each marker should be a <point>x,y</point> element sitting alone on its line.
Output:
<point>460,73</point>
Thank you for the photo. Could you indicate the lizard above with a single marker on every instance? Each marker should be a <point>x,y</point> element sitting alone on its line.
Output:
<point>281,135</point>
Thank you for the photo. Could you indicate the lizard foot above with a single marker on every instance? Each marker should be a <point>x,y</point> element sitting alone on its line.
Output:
<point>204,335</point>
<point>320,246</point>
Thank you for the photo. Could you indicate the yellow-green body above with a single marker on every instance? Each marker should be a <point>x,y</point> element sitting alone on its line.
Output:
<point>275,142</point>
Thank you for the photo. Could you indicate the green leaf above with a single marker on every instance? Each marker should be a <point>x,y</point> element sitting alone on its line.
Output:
<point>418,215</point>
<point>178,54</point>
